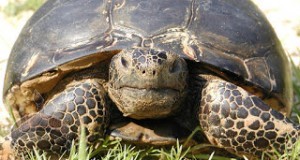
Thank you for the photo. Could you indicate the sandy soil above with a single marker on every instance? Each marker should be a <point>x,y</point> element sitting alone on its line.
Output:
<point>284,15</point>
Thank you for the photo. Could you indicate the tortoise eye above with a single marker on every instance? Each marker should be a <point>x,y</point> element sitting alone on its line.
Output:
<point>124,62</point>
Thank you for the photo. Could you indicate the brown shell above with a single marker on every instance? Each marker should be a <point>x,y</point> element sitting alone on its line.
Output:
<point>233,36</point>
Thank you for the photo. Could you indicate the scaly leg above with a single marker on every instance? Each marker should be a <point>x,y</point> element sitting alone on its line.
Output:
<point>52,129</point>
<point>242,123</point>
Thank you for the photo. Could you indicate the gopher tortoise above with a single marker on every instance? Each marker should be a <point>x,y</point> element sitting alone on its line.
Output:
<point>150,72</point>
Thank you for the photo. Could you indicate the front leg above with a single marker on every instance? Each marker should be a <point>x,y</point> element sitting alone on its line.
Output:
<point>52,129</point>
<point>242,123</point>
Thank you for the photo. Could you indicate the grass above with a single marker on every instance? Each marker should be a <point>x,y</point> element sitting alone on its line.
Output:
<point>296,88</point>
<point>115,150</point>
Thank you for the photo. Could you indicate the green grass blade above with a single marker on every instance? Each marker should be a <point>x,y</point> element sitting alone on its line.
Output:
<point>82,149</point>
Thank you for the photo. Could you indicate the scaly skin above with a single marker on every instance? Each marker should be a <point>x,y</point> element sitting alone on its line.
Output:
<point>147,83</point>
<point>52,129</point>
<point>241,123</point>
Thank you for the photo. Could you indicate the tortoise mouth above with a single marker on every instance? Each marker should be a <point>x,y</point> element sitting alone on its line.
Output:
<point>144,103</point>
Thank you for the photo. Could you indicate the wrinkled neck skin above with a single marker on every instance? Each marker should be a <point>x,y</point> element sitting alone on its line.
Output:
<point>147,83</point>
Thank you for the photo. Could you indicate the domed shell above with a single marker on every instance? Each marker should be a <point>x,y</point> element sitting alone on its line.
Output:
<point>232,36</point>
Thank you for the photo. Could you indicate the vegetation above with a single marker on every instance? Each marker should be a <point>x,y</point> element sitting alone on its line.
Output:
<point>15,7</point>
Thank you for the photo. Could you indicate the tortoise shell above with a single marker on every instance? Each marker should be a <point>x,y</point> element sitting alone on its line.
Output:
<point>233,37</point>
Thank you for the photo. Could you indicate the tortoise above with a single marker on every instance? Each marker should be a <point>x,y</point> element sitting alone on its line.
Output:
<point>150,72</point>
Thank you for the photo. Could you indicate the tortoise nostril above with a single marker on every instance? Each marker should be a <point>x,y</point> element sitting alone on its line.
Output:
<point>175,66</point>
<point>143,71</point>
<point>154,72</point>
<point>124,62</point>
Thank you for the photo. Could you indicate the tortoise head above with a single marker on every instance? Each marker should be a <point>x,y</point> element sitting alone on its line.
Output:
<point>147,83</point>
